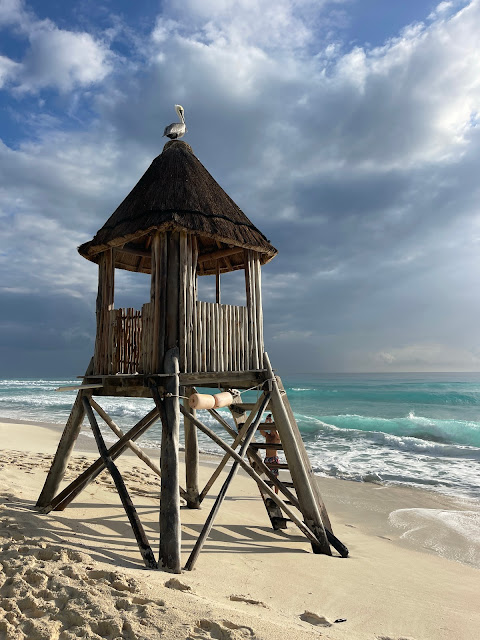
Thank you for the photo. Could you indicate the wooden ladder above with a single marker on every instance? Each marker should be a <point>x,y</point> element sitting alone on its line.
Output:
<point>301,490</point>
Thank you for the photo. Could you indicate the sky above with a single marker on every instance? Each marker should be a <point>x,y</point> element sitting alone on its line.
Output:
<point>346,130</point>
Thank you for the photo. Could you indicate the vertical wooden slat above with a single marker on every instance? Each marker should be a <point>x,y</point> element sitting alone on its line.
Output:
<point>227,338</point>
<point>216,313</point>
<point>220,366</point>
<point>239,337</point>
<point>205,359</point>
<point>236,331</point>
<point>196,320</point>
<point>217,283</point>
<point>208,327</point>
<point>158,294</point>
<point>183,319</point>
<point>194,278</point>
<point>173,291</point>
<point>190,333</point>
<point>259,310</point>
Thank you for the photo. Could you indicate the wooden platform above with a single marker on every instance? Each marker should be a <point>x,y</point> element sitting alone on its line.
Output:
<point>138,385</point>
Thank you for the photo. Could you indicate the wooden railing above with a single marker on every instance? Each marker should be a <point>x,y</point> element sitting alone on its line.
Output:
<point>220,337</point>
<point>125,340</point>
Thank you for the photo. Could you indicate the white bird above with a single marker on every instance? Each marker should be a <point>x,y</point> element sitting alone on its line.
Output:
<point>177,129</point>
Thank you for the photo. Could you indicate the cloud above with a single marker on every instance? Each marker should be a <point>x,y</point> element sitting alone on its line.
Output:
<point>55,58</point>
<point>8,68</point>
<point>63,60</point>
<point>360,164</point>
<point>11,12</point>
<point>428,357</point>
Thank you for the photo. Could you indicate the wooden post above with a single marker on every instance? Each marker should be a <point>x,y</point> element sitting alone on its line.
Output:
<point>105,299</point>
<point>173,285</point>
<point>217,283</point>
<point>258,309</point>
<point>170,528</point>
<point>138,530</point>
<point>65,447</point>
<point>158,292</point>
<point>296,465</point>
<point>191,455</point>
<point>183,315</point>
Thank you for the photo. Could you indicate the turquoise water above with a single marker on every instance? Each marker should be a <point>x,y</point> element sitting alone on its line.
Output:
<point>420,430</point>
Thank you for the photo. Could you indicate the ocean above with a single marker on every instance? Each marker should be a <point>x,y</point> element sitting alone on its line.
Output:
<point>417,430</point>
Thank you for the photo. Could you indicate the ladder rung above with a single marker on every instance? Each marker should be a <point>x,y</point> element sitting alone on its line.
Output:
<point>276,465</point>
<point>265,445</point>
<point>285,484</point>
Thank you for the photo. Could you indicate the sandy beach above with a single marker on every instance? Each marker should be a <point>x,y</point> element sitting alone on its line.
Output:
<point>78,573</point>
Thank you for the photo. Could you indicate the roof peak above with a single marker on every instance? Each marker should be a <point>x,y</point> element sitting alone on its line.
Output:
<point>177,143</point>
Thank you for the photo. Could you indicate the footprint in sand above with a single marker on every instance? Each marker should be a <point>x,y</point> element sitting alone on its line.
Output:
<point>393,638</point>
<point>224,630</point>
<point>174,583</point>
<point>240,598</point>
<point>315,619</point>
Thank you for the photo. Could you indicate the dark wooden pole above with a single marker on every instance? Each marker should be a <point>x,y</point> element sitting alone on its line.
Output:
<point>138,530</point>
<point>191,455</point>
<point>223,491</point>
<point>105,303</point>
<point>170,526</point>
<point>158,292</point>
<point>65,448</point>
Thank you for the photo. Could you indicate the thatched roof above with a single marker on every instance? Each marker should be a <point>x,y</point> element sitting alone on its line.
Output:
<point>177,192</point>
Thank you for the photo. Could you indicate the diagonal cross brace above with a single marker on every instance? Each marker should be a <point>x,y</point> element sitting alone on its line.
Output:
<point>238,460</point>
<point>138,530</point>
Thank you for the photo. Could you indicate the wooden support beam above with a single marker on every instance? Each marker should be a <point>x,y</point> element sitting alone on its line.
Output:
<point>158,292</point>
<point>65,448</point>
<point>299,473</point>
<point>240,379</point>
<point>105,304</point>
<point>64,498</point>
<point>138,530</point>
<point>253,474</point>
<point>250,432</point>
<point>217,284</point>
<point>131,445</point>
<point>134,251</point>
<point>221,253</point>
<point>314,485</point>
<point>78,387</point>
<point>191,455</point>
<point>170,526</point>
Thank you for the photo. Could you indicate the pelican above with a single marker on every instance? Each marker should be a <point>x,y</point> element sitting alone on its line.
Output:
<point>177,129</point>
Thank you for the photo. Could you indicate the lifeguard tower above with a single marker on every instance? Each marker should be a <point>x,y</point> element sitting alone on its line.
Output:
<point>177,224</point>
